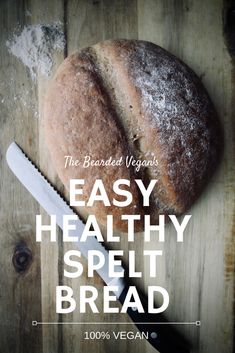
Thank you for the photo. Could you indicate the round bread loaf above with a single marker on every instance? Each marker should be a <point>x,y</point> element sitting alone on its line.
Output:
<point>122,98</point>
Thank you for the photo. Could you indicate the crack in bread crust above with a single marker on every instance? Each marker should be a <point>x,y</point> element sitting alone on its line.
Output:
<point>127,100</point>
<point>124,116</point>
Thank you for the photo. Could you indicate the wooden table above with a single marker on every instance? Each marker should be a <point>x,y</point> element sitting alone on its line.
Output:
<point>198,274</point>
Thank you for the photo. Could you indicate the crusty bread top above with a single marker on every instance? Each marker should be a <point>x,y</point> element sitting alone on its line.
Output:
<point>121,98</point>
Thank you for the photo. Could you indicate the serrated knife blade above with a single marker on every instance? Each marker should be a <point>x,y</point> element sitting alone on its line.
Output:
<point>53,204</point>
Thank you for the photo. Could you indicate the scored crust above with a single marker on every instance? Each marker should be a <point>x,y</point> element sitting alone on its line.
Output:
<point>126,97</point>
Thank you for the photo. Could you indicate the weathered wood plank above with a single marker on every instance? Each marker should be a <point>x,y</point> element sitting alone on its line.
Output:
<point>195,271</point>
<point>49,13</point>
<point>20,287</point>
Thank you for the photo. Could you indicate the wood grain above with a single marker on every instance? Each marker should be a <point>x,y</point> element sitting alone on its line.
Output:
<point>198,274</point>
<point>198,40</point>
<point>20,286</point>
<point>51,254</point>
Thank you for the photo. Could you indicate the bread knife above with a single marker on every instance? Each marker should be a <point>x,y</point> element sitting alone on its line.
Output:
<point>161,336</point>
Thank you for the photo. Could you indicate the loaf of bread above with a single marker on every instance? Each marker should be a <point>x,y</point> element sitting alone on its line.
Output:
<point>122,98</point>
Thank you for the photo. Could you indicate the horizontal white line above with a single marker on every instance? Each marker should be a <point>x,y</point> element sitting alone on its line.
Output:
<point>35,323</point>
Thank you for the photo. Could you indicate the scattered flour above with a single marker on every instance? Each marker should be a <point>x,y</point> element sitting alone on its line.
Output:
<point>35,45</point>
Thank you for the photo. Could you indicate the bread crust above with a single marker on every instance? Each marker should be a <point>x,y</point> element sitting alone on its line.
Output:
<point>125,97</point>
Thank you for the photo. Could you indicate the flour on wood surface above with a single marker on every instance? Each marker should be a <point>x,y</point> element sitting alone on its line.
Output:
<point>35,46</point>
